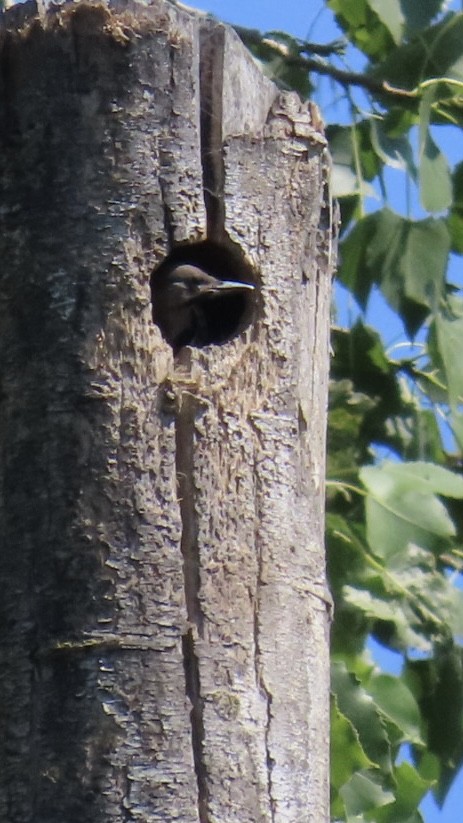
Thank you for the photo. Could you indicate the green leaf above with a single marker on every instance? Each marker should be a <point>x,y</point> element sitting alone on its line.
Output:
<point>435,52</point>
<point>356,704</point>
<point>424,476</point>
<point>393,614</point>
<point>363,27</point>
<point>346,416</point>
<point>407,259</point>
<point>456,425</point>
<point>457,182</point>
<point>397,703</point>
<point>412,603</point>
<point>409,791</point>
<point>360,355</point>
<point>446,336</point>
<point>425,441</point>
<point>395,152</point>
<point>363,794</point>
<point>361,352</point>
<point>390,13</point>
<point>435,179</point>
<point>367,251</point>
<point>429,766</point>
<point>423,262</point>
<point>354,271</point>
<point>346,178</point>
<point>347,757</point>
<point>419,15</point>
<point>402,506</point>
<point>344,181</point>
<point>438,687</point>
<point>455,226</point>
<point>347,754</point>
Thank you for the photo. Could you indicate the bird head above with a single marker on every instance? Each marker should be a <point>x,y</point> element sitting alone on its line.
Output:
<point>189,283</point>
<point>192,307</point>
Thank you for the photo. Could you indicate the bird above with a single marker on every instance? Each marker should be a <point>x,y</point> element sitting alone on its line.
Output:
<point>194,308</point>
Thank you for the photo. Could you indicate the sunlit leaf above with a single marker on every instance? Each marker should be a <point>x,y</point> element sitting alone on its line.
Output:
<point>363,26</point>
<point>448,327</point>
<point>435,52</point>
<point>362,794</point>
<point>402,508</point>
<point>393,151</point>
<point>423,261</point>
<point>393,613</point>
<point>390,13</point>
<point>434,173</point>
<point>346,177</point>
<point>365,252</point>
<point>419,476</point>
<point>410,788</point>
<point>406,258</point>
<point>396,701</point>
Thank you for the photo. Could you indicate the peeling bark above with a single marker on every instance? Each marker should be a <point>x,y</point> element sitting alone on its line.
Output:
<point>163,651</point>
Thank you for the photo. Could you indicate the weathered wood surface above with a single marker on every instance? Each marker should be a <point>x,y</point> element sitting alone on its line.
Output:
<point>165,655</point>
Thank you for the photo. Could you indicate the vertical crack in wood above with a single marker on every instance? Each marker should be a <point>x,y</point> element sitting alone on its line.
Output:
<point>193,690</point>
<point>212,39</point>
<point>258,667</point>
<point>184,443</point>
<point>268,698</point>
<point>165,163</point>
<point>213,171</point>
<point>184,433</point>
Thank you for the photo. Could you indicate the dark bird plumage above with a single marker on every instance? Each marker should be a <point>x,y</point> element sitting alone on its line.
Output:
<point>194,308</point>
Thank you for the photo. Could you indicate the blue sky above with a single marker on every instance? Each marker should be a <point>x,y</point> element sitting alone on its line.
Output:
<point>311,20</point>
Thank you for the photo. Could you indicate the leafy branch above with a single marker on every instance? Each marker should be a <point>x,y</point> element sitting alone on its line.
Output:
<point>271,47</point>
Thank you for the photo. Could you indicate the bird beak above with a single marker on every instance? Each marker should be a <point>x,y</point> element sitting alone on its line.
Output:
<point>224,286</point>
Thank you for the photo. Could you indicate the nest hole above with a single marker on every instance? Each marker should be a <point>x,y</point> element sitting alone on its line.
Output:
<point>197,297</point>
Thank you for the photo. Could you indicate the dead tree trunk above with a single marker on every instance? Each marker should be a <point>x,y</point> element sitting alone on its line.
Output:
<point>163,649</point>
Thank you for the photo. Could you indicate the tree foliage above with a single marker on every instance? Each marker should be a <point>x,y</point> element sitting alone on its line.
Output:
<point>395,469</point>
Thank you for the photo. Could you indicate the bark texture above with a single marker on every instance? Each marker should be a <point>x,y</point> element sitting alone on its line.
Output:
<point>164,617</point>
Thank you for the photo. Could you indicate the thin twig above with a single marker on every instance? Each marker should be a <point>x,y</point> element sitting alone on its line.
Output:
<point>252,37</point>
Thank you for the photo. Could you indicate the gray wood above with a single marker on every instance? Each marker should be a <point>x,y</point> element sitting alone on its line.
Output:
<point>164,649</point>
